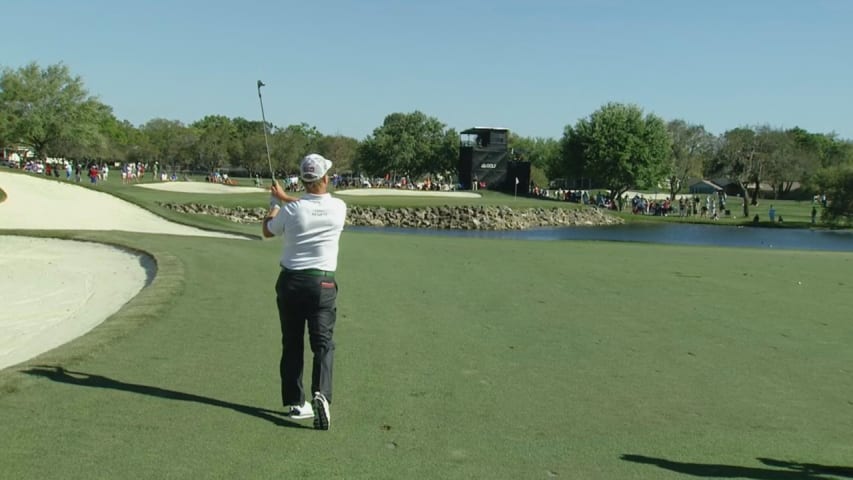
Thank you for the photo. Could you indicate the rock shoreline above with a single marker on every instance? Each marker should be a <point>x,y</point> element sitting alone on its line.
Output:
<point>440,217</point>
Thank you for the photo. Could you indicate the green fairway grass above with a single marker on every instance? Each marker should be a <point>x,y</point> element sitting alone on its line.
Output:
<point>456,358</point>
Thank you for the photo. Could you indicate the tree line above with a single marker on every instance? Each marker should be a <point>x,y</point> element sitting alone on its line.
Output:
<point>616,148</point>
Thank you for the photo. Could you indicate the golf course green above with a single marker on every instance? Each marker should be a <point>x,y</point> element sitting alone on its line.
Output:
<point>456,358</point>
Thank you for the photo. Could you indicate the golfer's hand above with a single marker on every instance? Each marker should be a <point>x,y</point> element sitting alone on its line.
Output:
<point>278,193</point>
<point>275,195</point>
<point>275,203</point>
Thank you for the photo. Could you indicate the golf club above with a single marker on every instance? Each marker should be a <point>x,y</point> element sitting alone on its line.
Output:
<point>264,118</point>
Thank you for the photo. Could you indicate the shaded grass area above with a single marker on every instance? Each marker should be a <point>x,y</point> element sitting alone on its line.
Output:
<point>457,358</point>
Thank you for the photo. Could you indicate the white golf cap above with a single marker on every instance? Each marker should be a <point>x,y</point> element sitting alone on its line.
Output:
<point>313,167</point>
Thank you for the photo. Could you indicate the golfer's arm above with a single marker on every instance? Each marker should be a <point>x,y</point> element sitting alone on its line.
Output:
<point>267,220</point>
<point>283,196</point>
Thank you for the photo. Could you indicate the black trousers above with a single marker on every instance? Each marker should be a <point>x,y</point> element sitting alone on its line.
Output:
<point>302,300</point>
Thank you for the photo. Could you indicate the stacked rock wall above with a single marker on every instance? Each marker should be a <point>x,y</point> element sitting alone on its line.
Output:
<point>443,217</point>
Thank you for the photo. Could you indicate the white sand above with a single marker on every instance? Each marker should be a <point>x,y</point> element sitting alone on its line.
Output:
<point>56,290</point>
<point>40,204</point>
<point>201,187</point>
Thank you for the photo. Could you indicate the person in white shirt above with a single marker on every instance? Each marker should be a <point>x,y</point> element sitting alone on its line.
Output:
<point>306,290</point>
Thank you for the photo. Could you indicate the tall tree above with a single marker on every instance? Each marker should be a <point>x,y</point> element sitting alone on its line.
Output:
<point>218,142</point>
<point>806,160</point>
<point>617,147</point>
<point>118,138</point>
<point>168,142</point>
<point>50,111</point>
<point>539,151</point>
<point>837,184</point>
<point>691,147</point>
<point>292,143</point>
<point>6,135</point>
<point>340,149</point>
<point>738,151</point>
<point>791,158</point>
<point>743,158</point>
<point>410,145</point>
<point>254,151</point>
<point>838,152</point>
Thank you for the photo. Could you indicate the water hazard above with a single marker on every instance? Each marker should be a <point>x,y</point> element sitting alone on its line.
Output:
<point>662,233</point>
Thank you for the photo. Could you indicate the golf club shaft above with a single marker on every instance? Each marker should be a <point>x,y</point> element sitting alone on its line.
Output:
<point>266,141</point>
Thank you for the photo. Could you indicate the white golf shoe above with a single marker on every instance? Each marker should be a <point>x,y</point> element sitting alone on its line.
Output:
<point>321,407</point>
<point>300,412</point>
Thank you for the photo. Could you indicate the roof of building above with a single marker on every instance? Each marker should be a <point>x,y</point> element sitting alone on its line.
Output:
<point>477,130</point>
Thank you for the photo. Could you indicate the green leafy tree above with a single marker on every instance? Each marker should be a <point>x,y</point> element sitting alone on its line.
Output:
<point>290,144</point>
<point>538,176</point>
<point>837,184</point>
<point>117,138</point>
<point>820,153</point>
<point>6,136</point>
<point>340,149</point>
<point>841,152</point>
<point>539,151</point>
<point>745,156</point>
<point>250,134</point>
<point>50,111</point>
<point>167,142</point>
<point>218,142</point>
<point>806,160</point>
<point>617,147</point>
<point>410,145</point>
<point>794,156</point>
<point>185,148</point>
<point>832,150</point>
<point>692,145</point>
<point>752,156</point>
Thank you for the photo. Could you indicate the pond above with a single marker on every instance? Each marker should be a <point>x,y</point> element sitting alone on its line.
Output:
<point>663,233</point>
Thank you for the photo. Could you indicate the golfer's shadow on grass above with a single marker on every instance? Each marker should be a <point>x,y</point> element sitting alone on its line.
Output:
<point>782,470</point>
<point>61,375</point>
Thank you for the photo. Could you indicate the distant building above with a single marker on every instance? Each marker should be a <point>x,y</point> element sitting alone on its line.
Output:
<point>484,158</point>
<point>704,187</point>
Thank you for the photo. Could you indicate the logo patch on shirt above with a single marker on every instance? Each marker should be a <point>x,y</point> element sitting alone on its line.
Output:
<point>327,285</point>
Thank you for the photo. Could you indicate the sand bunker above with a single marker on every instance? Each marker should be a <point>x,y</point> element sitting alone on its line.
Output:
<point>39,204</point>
<point>56,290</point>
<point>201,187</point>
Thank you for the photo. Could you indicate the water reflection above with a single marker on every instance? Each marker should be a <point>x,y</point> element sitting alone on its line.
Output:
<point>664,233</point>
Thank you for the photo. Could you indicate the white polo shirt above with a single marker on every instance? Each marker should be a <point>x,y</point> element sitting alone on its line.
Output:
<point>311,227</point>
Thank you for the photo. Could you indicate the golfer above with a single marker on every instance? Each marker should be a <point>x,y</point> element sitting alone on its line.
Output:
<point>306,289</point>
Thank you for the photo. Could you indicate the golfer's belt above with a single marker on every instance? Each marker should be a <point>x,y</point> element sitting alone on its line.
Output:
<point>310,271</point>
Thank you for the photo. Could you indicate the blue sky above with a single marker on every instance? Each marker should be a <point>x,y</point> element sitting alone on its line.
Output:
<point>532,66</point>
